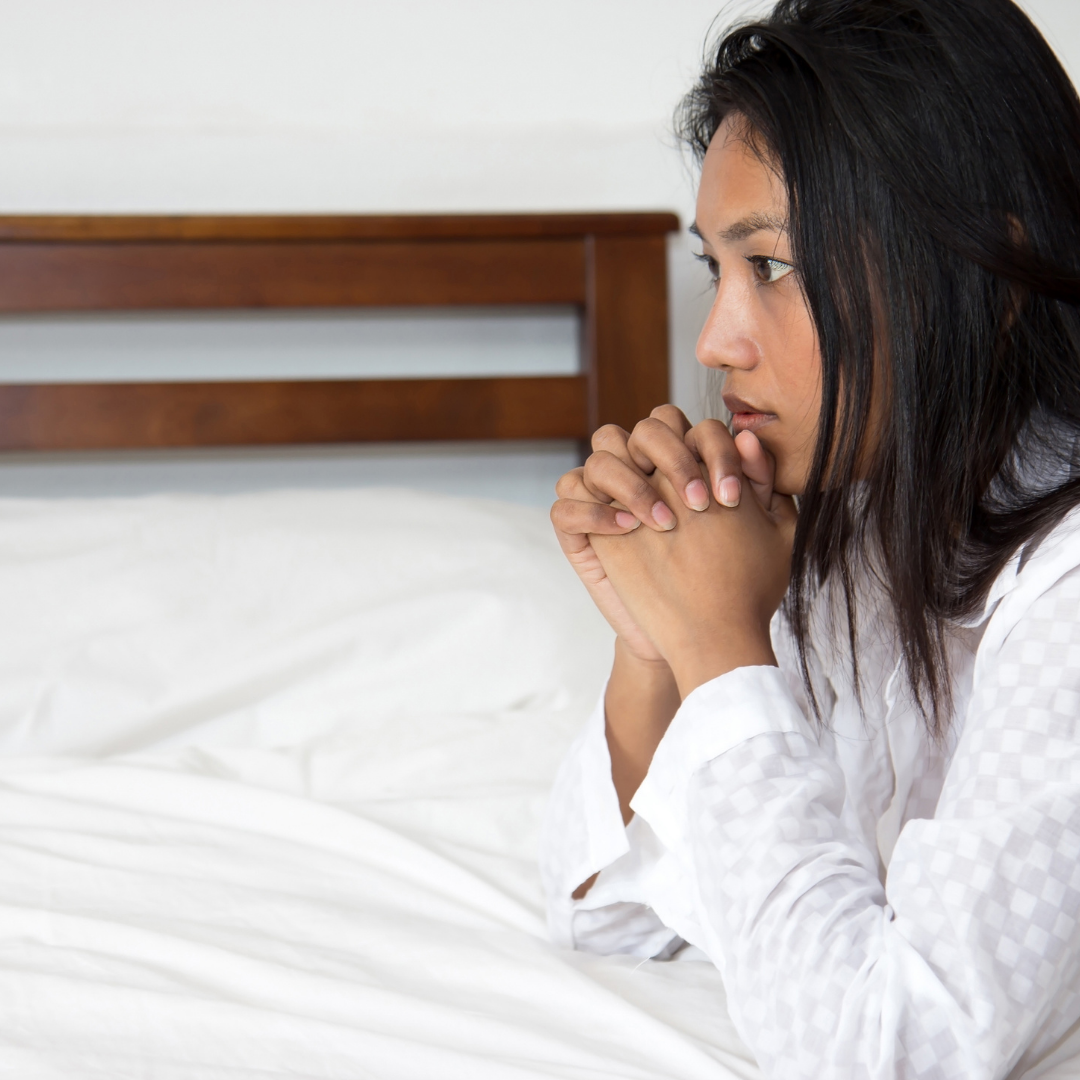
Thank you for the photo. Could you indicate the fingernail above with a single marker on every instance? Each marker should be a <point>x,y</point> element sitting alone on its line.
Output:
<point>625,520</point>
<point>697,495</point>
<point>663,516</point>
<point>730,491</point>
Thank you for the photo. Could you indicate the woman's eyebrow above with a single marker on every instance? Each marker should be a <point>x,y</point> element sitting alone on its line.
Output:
<point>746,227</point>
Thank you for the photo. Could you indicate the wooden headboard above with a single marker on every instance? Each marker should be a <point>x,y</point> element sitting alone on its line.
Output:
<point>611,266</point>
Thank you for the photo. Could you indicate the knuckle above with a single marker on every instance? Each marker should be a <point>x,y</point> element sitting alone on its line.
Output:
<point>649,426</point>
<point>683,472</point>
<point>647,438</point>
<point>727,459</point>
<point>715,443</point>
<point>665,449</point>
<point>570,516</point>
<point>596,464</point>
<point>643,492</point>
<point>671,416</point>
<point>608,435</point>
<point>599,478</point>
<point>713,431</point>
<point>598,514</point>
<point>568,483</point>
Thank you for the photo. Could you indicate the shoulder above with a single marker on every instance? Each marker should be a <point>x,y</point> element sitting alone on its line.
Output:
<point>1042,570</point>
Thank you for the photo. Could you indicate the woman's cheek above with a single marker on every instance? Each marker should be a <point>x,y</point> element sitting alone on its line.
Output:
<point>774,442</point>
<point>791,468</point>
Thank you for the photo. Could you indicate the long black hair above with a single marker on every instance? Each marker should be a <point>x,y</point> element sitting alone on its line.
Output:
<point>931,154</point>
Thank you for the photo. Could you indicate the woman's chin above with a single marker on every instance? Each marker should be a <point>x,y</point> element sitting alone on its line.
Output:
<point>789,481</point>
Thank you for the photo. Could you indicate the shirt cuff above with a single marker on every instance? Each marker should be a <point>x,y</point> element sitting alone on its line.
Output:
<point>583,831</point>
<point>715,718</point>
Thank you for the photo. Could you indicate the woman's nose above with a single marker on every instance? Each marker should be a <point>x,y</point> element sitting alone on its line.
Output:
<point>725,340</point>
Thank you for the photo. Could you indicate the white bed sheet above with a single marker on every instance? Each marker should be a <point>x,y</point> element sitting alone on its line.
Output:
<point>271,780</point>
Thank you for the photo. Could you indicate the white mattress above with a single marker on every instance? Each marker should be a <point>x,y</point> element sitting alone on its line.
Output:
<point>272,773</point>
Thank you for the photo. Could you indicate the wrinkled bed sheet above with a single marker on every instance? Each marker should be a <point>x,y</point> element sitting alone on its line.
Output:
<point>271,777</point>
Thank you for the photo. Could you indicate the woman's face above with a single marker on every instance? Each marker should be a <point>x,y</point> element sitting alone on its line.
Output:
<point>759,331</point>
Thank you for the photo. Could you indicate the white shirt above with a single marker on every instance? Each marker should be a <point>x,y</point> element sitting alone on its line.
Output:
<point>878,905</point>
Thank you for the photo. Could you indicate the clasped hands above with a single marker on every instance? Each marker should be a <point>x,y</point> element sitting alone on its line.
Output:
<point>682,542</point>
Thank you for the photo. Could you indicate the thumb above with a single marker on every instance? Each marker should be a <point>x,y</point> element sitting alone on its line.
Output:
<point>758,465</point>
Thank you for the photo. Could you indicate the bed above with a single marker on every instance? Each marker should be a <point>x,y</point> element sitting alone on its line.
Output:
<point>273,764</point>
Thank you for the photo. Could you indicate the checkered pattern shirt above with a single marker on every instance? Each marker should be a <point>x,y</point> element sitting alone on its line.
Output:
<point>879,905</point>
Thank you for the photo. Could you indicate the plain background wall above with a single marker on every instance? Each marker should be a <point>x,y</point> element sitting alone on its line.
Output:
<point>364,106</point>
<point>353,105</point>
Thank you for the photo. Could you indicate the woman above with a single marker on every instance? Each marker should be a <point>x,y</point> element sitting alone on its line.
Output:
<point>864,808</point>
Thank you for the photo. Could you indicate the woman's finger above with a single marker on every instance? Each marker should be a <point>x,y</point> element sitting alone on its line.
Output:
<point>664,421</point>
<point>758,466</point>
<point>612,439</point>
<point>712,443</point>
<point>674,417</point>
<point>573,519</point>
<point>655,446</point>
<point>571,485</point>
<point>610,479</point>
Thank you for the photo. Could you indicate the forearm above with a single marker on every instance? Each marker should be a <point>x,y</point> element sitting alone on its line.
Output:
<point>642,697</point>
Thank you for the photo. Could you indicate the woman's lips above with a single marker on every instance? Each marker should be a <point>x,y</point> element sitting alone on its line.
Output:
<point>745,416</point>
<point>750,421</point>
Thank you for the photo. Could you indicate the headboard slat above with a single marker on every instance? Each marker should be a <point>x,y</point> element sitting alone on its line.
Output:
<point>259,228</point>
<point>129,276</point>
<point>102,416</point>
<point>613,267</point>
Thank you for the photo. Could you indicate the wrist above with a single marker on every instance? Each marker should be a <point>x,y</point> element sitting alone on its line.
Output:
<point>642,695</point>
<point>703,661</point>
<point>649,667</point>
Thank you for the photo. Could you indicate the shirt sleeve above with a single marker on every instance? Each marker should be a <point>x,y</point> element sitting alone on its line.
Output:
<point>584,835</point>
<point>644,887</point>
<point>966,961</point>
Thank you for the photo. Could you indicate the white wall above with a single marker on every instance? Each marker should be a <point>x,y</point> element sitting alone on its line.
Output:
<point>366,106</point>
<point>1059,20</point>
<point>347,105</point>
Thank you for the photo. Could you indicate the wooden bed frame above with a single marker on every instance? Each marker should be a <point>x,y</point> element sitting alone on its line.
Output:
<point>611,266</point>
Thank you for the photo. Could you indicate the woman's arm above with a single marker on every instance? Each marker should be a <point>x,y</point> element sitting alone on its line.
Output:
<point>611,496</point>
<point>641,696</point>
<point>964,964</point>
<point>640,700</point>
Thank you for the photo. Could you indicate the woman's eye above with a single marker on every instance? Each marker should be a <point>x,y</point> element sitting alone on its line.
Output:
<point>769,271</point>
<point>711,263</point>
